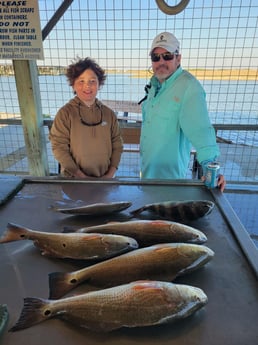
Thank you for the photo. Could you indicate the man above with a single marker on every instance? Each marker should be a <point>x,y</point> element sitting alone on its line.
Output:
<point>175,117</point>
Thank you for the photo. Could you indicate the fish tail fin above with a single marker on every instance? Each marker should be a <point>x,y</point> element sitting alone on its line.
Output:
<point>60,283</point>
<point>33,312</point>
<point>14,232</point>
<point>137,211</point>
<point>53,207</point>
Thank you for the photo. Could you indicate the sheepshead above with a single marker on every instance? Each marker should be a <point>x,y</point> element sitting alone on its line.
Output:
<point>69,245</point>
<point>98,209</point>
<point>158,262</point>
<point>180,211</point>
<point>138,304</point>
<point>149,232</point>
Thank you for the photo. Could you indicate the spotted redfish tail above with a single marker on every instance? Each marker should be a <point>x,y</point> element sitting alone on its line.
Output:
<point>14,232</point>
<point>33,312</point>
<point>60,283</point>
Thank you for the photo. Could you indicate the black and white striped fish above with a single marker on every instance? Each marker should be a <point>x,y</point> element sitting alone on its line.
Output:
<point>178,211</point>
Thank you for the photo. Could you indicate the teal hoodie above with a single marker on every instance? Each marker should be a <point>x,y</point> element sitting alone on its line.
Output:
<point>175,119</point>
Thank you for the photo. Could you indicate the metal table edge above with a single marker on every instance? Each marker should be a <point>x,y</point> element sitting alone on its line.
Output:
<point>238,229</point>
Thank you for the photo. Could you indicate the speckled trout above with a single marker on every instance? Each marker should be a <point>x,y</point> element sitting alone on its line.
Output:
<point>69,245</point>
<point>98,209</point>
<point>179,211</point>
<point>149,232</point>
<point>138,304</point>
<point>158,262</point>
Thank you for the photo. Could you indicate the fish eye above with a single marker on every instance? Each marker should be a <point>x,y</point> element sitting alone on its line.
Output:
<point>47,312</point>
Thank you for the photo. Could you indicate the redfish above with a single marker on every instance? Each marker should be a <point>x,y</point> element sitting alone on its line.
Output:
<point>98,209</point>
<point>180,211</point>
<point>158,262</point>
<point>70,245</point>
<point>149,232</point>
<point>138,304</point>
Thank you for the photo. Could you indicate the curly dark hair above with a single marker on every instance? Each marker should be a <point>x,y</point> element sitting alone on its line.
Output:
<point>80,65</point>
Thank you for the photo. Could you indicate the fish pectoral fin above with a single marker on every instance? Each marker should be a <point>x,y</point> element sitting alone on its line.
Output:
<point>101,326</point>
<point>47,253</point>
<point>146,284</point>
<point>95,326</point>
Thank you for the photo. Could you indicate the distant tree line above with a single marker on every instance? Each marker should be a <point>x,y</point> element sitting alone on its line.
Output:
<point>43,70</point>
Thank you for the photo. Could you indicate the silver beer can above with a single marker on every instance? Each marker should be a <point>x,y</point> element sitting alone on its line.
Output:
<point>212,174</point>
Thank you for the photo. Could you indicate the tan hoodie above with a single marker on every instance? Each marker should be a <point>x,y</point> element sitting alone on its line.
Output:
<point>92,149</point>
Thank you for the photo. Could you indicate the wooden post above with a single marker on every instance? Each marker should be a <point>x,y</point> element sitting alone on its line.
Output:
<point>26,77</point>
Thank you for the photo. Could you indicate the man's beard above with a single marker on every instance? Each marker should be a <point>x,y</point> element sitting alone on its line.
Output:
<point>162,72</point>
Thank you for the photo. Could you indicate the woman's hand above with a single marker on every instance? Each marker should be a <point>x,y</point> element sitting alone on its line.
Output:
<point>80,174</point>
<point>110,173</point>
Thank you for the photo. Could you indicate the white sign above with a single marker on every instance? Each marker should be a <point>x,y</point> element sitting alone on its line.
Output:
<point>20,32</point>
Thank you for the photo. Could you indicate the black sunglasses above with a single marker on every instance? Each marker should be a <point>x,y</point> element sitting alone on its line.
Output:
<point>90,124</point>
<point>155,57</point>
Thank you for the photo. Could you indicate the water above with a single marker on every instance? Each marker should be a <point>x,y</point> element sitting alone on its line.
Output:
<point>229,102</point>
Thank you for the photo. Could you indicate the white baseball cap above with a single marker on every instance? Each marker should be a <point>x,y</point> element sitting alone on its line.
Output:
<point>167,41</point>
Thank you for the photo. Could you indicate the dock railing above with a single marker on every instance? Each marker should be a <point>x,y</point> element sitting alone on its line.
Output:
<point>244,157</point>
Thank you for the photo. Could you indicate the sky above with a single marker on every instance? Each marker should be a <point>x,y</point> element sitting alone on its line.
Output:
<point>118,33</point>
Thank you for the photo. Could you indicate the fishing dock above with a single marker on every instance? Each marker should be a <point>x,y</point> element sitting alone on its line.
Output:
<point>219,45</point>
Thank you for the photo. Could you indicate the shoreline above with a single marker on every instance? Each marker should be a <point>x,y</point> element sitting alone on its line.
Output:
<point>204,74</point>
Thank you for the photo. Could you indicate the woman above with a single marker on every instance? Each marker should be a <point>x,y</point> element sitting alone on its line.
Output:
<point>85,134</point>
